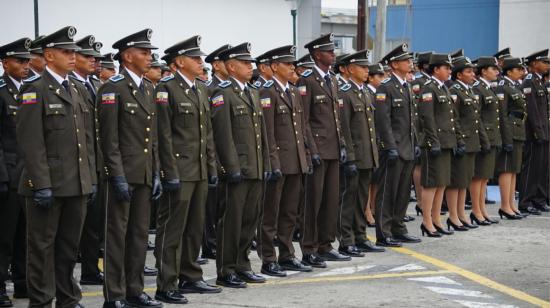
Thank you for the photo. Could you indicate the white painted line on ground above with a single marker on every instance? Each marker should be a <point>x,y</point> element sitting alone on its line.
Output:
<point>288,273</point>
<point>344,270</point>
<point>470,304</point>
<point>407,267</point>
<point>459,292</point>
<point>436,279</point>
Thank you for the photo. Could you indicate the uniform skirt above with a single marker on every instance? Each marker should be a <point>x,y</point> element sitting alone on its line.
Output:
<point>510,162</point>
<point>436,170</point>
<point>462,170</point>
<point>485,164</point>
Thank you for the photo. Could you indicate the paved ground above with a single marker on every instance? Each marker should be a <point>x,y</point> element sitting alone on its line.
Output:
<point>504,265</point>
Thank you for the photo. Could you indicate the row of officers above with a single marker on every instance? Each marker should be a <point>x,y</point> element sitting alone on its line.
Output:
<point>231,162</point>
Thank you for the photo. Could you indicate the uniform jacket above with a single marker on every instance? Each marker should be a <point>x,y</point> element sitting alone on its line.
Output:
<point>538,101</point>
<point>514,110</point>
<point>490,111</point>
<point>10,164</point>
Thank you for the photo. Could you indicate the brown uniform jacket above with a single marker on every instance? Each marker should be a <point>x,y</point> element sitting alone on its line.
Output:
<point>10,164</point>
<point>514,110</point>
<point>186,144</point>
<point>55,142</point>
<point>538,100</point>
<point>128,129</point>
<point>239,130</point>
<point>490,111</point>
<point>358,126</point>
<point>286,128</point>
<point>321,110</point>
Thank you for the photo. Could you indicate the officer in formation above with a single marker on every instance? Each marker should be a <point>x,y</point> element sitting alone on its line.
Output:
<point>281,150</point>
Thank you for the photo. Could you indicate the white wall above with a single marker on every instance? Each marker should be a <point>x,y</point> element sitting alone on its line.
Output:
<point>524,26</point>
<point>265,23</point>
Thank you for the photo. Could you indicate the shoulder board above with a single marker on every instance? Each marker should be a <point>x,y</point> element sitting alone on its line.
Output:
<point>428,82</point>
<point>345,87</point>
<point>208,83</point>
<point>529,76</point>
<point>456,86</point>
<point>386,80</point>
<point>257,83</point>
<point>74,77</point>
<point>2,83</point>
<point>224,84</point>
<point>268,84</point>
<point>306,73</point>
<point>418,75</point>
<point>167,78</point>
<point>476,83</point>
<point>117,78</point>
<point>31,79</point>
<point>95,77</point>
<point>501,83</point>
<point>253,86</point>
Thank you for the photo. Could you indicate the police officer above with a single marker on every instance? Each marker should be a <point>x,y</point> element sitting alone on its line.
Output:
<point>188,165</point>
<point>90,242</point>
<point>303,64</point>
<point>358,129</point>
<point>284,120</point>
<point>15,59</point>
<point>241,145</point>
<point>37,62</point>
<point>108,68</point>
<point>155,73</point>
<point>128,136</point>
<point>319,92</point>
<point>264,70</point>
<point>58,176</point>
<point>395,121</point>
<point>534,184</point>
<point>501,55</point>
<point>340,70</point>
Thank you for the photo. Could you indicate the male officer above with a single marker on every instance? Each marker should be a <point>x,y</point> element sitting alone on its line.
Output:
<point>303,64</point>
<point>395,123</point>
<point>358,129</point>
<point>90,242</point>
<point>242,150</point>
<point>128,136</point>
<point>264,69</point>
<point>283,114</point>
<point>534,183</point>
<point>15,61</point>
<point>188,165</point>
<point>37,62</point>
<point>58,176</point>
<point>340,70</point>
<point>319,92</point>
<point>155,73</point>
<point>108,68</point>
<point>501,55</point>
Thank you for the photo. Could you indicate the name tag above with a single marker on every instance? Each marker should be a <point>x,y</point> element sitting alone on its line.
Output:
<point>55,106</point>
<point>132,105</point>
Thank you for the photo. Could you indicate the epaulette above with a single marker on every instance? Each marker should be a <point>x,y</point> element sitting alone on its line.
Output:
<point>117,78</point>
<point>345,87</point>
<point>224,84</point>
<point>208,83</point>
<point>268,84</point>
<point>417,75</point>
<point>529,76</point>
<point>386,80</point>
<point>501,83</point>
<point>306,73</point>
<point>95,77</point>
<point>32,79</point>
<point>252,85</point>
<point>456,86</point>
<point>428,82</point>
<point>475,83</point>
<point>167,78</point>
<point>2,83</point>
<point>257,83</point>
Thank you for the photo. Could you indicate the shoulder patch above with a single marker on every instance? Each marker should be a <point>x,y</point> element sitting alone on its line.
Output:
<point>117,78</point>
<point>345,87</point>
<point>306,73</point>
<point>529,76</point>
<point>218,100</point>
<point>167,78</point>
<point>257,83</point>
<point>303,90</point>
<point>162,98</point>
<point>500,96</point>
<point>265,102</point>
<point>427,97</point>
<point>386,80</point>
<point>224,84</point>
<point>380,97</point>
<point>31,79</point>
<point>526,90</point>
<point>2,83</point>
<point>28,98</point>
<point>108,98</point>
<point>208,83</point>
<point>268,84</point>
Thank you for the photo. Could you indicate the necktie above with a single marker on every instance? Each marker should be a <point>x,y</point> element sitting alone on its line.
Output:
<point>406,86</point>
<point>247,92</point>
<point>287,91</point>
<point>90,89</point>
<point>141,87</point>
<point>328,81</point>
<point>65,85</point>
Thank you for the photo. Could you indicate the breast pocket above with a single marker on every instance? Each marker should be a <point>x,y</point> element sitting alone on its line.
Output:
<point>129,116</point>
<point>241,116</point>
<point>55,117</point>
<point>186,113</point>
<point>397,104</point>
<point>283,114</point>
<point>320,103</point>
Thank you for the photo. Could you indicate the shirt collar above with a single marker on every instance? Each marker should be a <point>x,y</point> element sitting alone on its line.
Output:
<point>284,87</point>
<point>137,79</point>
<point>373,89</point>
<point>80,77</point>
<point>323,74</point>
<point>463,84</point>
<point>401,81</point>
<point>219,78</point>
<point>488,84</point>
<point>15,82</point>
<point>57,76</point>
<point>35,72</point>
<point>439,82</point>
<point>189,82</point>
<point>241,85</point>
<point>359,86</point>
<point>507,78</point>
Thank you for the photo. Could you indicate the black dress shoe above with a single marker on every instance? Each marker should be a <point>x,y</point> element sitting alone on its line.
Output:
<point>4,299</point>
<point>334,255</point>
<point>351,251</point>
<point>251,277</point>
<point>149,271</point>
<point>468,225</point>
<point>96,280</point>
<point>388,242</point>
<point>313,261</point>
<point>198,287</point>
<point>209,254</point>
<point>150,246</point>
<point>143,301</point>
<point>530,210</point>
<point>367,246</point>
<point>295,265</point>
<point>493,221</point>
<point>231,281</point>
<point>117,304</point>
<point>405,238</point>
<point>171,297</point>
<point>202,261</point>
<point>543,208</point>
<point>273,269</point>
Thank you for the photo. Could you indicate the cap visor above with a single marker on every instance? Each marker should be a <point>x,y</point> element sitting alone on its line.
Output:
<point>245,58</point>
<point>95,54</point>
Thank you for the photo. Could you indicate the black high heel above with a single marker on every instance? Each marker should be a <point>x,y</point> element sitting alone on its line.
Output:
<point>371,225</point>
<point>522,215</point>
<point>455,227</point>
<point>418,210</point>
<point>492,221</point>
<point>428,232</point>
<point>478,222</point>
<point>467,225</point>
<point>443,231</point>
<point>514,216</point>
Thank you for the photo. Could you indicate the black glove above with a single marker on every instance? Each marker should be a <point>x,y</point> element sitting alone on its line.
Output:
<point>417,152</point>
<point>486,150</point>
<point>508,148</point>
<point>316,160</point>
<point>93,195</point>
<point>43,198</point>
<point>121,188</point>
<point>460,150</point>
<point>435,151</point>
<point>343,155</point>
<point>275,175</point>
<point>393,154</point>
<point>350,169</point>
<point>157,188</point>
<point>234,177</point>
<point>171,185</point>
<point>213,181</point>
<point>4,187</point>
